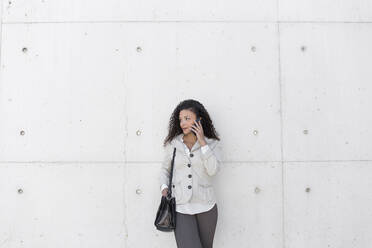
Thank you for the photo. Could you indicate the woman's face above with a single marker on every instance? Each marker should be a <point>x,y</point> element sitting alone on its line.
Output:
<point>187,119</point>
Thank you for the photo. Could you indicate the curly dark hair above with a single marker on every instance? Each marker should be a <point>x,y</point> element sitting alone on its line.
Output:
<point>198,109</point>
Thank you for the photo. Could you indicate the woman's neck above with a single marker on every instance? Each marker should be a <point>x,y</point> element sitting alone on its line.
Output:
<point>190,138</point>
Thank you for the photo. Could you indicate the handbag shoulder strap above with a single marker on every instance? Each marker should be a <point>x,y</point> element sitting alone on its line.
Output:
<point>171,173</point>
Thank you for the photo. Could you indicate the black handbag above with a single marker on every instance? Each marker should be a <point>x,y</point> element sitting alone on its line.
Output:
<point>166,215</point>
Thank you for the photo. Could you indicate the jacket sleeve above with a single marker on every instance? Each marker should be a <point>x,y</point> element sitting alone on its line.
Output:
<point>212,158</point>
<point>165,166</point>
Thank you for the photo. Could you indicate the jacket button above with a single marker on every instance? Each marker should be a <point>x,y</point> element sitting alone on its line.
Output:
<point>190,175</point>
<point>191,155</point>
<point>189,186</point>
<point>189,165</point>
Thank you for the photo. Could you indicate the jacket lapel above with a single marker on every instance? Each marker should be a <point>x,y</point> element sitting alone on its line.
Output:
<point>179,144</point>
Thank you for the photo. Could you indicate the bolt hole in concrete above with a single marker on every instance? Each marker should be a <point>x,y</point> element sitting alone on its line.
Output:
<point>22,132</point>
<point>20,191</point>
<point>24,49</point>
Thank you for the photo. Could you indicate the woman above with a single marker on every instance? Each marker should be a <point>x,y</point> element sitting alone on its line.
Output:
<point>197,160</point>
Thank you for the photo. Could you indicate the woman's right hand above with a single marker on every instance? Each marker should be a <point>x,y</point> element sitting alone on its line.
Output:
<point>164,192</point>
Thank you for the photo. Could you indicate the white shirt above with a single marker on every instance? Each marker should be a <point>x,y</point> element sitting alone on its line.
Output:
<point>192,208</point>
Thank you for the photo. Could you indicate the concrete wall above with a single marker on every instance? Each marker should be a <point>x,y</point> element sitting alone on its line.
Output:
<point>87,89</point>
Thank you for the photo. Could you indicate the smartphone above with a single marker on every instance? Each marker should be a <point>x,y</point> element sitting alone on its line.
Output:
<point>197,120</point>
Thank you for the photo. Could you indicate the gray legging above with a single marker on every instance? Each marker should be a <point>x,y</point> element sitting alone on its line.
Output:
<point>197,230</point>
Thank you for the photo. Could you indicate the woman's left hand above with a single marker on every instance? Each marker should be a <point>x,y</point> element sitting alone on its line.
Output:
<point>198,130</point>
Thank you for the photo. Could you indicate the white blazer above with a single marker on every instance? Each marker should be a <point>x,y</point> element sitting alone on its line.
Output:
<point>192,175</point>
